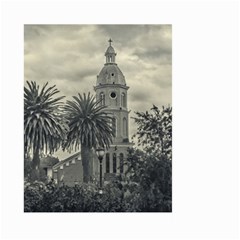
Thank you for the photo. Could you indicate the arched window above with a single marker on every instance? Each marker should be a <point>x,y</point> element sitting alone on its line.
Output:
<point>121,162</point>
<point>107,163</point>
<point>114,163</point>
<point>114,126</point>
<point>124,127</point>
<point>123,100</point>
<point>102,97</point>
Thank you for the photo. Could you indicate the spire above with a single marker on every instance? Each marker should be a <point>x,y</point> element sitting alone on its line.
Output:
<point>110,53</point>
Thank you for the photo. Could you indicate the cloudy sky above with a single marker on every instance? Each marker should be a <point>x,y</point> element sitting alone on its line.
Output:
<point>71,56</point>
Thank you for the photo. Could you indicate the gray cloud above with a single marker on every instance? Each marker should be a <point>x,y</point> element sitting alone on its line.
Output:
<point>71,56</point>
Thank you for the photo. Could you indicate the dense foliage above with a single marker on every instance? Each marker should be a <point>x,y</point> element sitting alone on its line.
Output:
<point>116,197</point>
<point>45,161</point>
<point>154,132</point>
<point>40,197</point>
<point>152,177</point>
<point>151,169</point>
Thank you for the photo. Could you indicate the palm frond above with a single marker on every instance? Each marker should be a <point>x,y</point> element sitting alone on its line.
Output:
<point>44,127</point>
<point>88,123</point>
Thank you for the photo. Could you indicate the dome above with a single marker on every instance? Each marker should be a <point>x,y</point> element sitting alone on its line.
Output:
<point>111,74</point>
<point>110,50</point>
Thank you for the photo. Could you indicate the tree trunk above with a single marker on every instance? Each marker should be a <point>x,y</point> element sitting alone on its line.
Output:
<point>36,165</point>
<point>86,163</point>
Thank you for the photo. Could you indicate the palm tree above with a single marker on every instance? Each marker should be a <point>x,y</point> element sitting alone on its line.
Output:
<point>44,128</point>
<point>88,127</point>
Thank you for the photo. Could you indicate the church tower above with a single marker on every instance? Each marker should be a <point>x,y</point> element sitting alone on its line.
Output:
<point>111,89</point>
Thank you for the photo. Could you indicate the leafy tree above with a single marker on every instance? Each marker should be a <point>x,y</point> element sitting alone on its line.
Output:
<point>88,127</point>
<point>44,127</point>
<point>151,169</point>
<point>152,175</point>
<point>154,131</point>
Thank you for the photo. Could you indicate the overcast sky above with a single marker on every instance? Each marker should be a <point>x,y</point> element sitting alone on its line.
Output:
<point>71,56</point>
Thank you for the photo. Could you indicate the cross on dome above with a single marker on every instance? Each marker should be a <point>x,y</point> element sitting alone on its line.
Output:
<point>110,42</point>
<point>110,53</point>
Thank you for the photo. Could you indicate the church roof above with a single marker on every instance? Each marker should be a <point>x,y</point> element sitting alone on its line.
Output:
<point>111,74</point>
<point>74,156</point>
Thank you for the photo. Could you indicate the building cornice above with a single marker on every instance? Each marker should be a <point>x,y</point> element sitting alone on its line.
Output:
<point>110,86</point>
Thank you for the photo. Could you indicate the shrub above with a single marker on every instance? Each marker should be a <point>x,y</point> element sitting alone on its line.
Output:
<point>40,197</point>
<point>116,197</point>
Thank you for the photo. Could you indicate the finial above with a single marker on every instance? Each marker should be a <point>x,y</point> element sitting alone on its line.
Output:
<point>110,42</point>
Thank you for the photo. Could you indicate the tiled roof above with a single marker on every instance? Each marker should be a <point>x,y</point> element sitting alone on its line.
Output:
<point>66,160</point>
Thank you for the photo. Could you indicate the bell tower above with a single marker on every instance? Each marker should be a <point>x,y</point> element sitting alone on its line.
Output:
<point>110,53</point>
<point>111,90</point>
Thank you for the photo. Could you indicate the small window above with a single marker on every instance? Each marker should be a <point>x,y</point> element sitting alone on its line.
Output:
<point>102,97</point>
<point>123,100</point>
<point>124,127</point>
<point>45,171</point>
<point>113,95</point>
<point>107,163</point>
<point>114,163</point>
<point>112,74</point>
<point>114,126</point>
